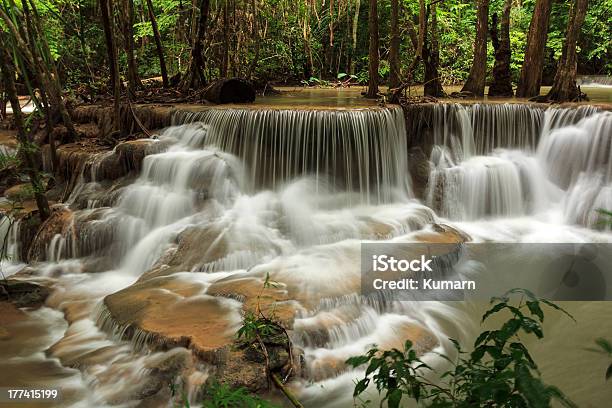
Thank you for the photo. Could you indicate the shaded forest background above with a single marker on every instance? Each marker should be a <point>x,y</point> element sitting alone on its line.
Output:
<point>290,41</point>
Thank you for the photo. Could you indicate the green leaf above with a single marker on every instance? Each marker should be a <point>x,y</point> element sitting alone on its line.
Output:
<point>534,308</point>
<point>394,398</point>
<point>361,386</point>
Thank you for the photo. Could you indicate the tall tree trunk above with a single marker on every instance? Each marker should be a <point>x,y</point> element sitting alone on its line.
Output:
<point>158,44</point>
<point>194,77</point>
<point>475,82</point>
<point>225,51</point>
<point>127,17</point>
<point>431,58</point>
<point>394,60</point>
<point>106,9</point>
<point>373,55</point>
<point>502,82</point>
<point>48,71</point>
<point>564,88</point>
<point>256,40</point>
<point>531,72</point>
<point>29,155</point>
<point>354,37</point>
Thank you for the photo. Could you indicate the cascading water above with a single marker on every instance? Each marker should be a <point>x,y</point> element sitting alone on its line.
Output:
<point>477,175</point>
<point>355,150</point>
<point>227,196</point>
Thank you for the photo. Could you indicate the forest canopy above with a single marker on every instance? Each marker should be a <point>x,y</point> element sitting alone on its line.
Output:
<point>290,41</point>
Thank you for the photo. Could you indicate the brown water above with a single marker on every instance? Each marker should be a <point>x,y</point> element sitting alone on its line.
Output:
<point>353,96</point>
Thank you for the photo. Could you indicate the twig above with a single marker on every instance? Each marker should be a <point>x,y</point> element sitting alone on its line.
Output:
<point>285,390</point>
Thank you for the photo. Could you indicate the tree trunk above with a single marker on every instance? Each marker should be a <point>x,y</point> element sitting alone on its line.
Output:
<point>354,37</point>
<point>431,58</point>
<point>502,82</point>
<point>225,51</point>
<point>564,88</point>
<point>158,44</point>
<point>394,61</point>
<point>128,39</point>
<point>48,71</point>
<point>194,77</point>
<point>256,40</point>
<point>531,72</point>
<point>373,55</point>
<point>475,82</point>
<point>29,154</point>
<point>106,7</point>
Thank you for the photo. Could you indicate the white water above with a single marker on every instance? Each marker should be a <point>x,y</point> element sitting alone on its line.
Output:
<point>294,194</point>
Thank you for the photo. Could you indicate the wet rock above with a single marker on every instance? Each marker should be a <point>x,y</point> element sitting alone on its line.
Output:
<point>238,371</point>
<point>22,293</point>
<point>419,168</point>
<point>229,90</point>
<point>19,192</point>
<point>150,116</point>
<point>168,312</point>
<point>132,153</point>
<point>196,246</point>
<point>443,234</point>
<point>59,222</point>
<point>253,295</point>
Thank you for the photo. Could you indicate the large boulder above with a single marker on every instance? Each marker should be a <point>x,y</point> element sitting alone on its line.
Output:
<point>229,90</point>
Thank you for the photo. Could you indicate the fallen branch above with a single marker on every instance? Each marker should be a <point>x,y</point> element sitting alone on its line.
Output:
<point>285,390</point>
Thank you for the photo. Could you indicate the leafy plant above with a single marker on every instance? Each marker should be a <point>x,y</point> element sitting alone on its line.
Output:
<point>605,217</point>
<point>499,372</point>
<point>604,347</point>
<point>223,396</point>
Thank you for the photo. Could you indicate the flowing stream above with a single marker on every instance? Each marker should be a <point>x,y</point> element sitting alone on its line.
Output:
<point>293,194</point>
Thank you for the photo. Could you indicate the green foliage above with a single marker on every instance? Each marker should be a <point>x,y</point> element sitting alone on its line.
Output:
<point>223,396</point>
<point>605,217</point>
<point>305,39</point>
<point>498,372</point>
<point>604,347</point>
<point>254,326</point>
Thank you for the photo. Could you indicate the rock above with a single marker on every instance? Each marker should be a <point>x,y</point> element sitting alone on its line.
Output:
<point>196,246</point>
<point>229,90</point>
<point>462,94</point>
<point>22,293</point>
<point>132,153</point>
<point>59,222</point>
<point>443,234</point>
<point>19,192</point>
<point>171,312</point>
<point>419,168</point>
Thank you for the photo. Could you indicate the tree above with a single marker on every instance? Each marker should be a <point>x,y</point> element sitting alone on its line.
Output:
<point>373,53</point>
<point>531,71</point>
<point>502,83</point>
<point>431,57</point>
<point>394,62</point>
<point>126,16</point>
<point>475,82</point>
<point>194,77</point>
<point>28,150</point>
<point>106,11</point>
<point>354,36</point>
<point>564,87</point>
<point>158,42</point>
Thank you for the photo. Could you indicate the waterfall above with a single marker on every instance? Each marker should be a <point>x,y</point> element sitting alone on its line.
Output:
<point>352,150</point>
<point>474,173</point>
<point>227,197</point>
<point>585,146</point>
